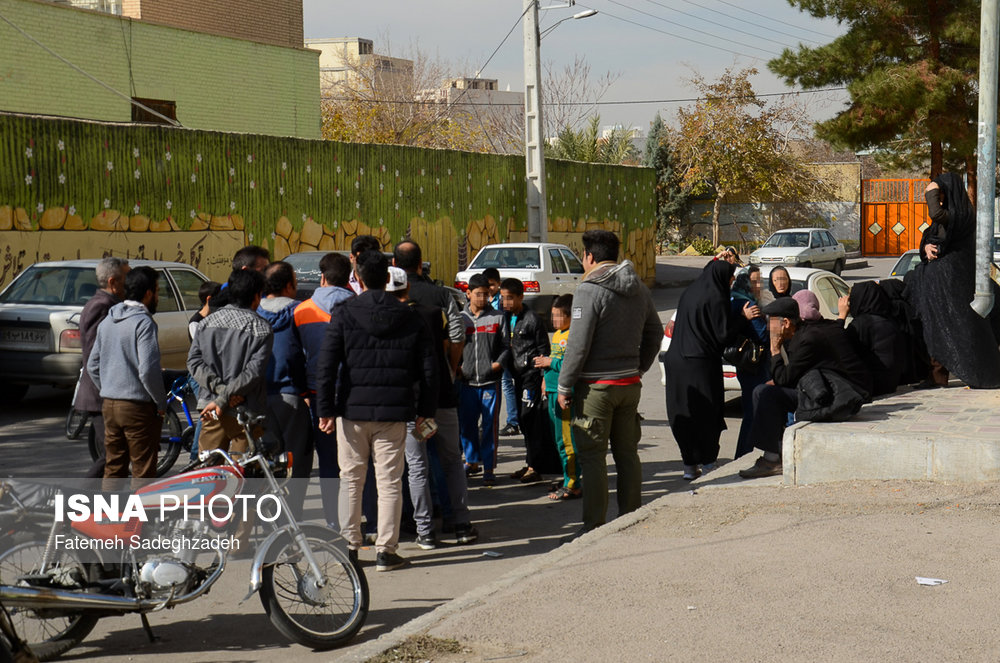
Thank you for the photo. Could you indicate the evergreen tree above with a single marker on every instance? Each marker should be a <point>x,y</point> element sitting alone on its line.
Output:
<point>671,201</point>
<point>911,69</point>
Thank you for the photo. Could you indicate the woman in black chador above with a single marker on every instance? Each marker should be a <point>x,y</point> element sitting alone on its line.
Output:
<point>695,393</point>
<point>944,285</point>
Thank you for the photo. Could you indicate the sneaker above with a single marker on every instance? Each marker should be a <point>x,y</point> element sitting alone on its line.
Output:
<point>427,541</point>
<point>691,472</point>
<point>707,467</point>
<point>489,480</point>
<point>762,468</point>
<point>510,429</point>
<point>466,534</point>
<point>387,561</point>
<point>472,468</point>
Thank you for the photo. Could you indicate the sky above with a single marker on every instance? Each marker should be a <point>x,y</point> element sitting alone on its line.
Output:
<point>655,45</point>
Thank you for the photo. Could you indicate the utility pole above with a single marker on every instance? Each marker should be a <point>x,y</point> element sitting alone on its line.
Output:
<point>986,164</point>
<point>534,138</point>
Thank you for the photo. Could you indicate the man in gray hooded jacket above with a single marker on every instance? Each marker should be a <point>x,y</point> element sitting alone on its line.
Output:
<point>125,367</point>
<point>614,338</point>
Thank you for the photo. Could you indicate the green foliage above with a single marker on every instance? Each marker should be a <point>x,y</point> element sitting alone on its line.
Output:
<point>703,246</point>
<point>911,68</point>
<point>588,146</point>
<point>672,202</point>
<point>733,142</point>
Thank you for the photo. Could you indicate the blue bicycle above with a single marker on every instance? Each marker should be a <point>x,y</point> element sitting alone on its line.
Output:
<point>173,439</point>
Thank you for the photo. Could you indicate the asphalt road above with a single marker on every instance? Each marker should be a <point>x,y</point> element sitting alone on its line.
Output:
<point>515,520</point>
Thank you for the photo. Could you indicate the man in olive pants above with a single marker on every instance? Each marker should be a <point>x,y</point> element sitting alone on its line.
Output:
<point>615,338</point>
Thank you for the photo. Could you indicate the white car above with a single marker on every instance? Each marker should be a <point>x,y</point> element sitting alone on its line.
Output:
<point>547,271</point>
<point>827,287</point>
<point>801,247</point>
<point>40,312</point>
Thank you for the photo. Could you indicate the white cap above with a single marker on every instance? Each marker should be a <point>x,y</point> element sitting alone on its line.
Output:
<point>397,280</point>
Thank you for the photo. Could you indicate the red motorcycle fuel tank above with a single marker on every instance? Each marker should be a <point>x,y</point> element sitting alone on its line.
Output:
<point>190,495</point>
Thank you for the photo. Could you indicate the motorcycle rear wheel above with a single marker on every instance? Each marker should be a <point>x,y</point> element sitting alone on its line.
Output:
<point>321,618</point>
<point>49,633</point>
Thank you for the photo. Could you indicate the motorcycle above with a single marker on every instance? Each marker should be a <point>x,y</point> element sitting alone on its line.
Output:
<point>57,588</point>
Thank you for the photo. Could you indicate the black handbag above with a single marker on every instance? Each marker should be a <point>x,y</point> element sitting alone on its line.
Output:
<point>744,353</point>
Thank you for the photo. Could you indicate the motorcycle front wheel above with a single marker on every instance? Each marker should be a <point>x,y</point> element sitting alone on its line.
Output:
<point>49,632</point>
<point>318,617</point>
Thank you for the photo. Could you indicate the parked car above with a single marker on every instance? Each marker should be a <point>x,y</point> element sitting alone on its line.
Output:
<point>306,266</point>
<point>905,264</point>
<point>827,287</point>
<point>801,247</point>
<point>40,312</point>
<point>547,271</point>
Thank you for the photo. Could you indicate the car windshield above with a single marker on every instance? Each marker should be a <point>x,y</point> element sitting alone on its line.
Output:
<point>906,262</point>
<point>786,240</point>
<point>306,266</point>
<point>507,257</point>
<point>65,286</point>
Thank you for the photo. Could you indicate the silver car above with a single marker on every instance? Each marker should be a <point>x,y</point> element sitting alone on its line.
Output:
<point>40,312</point>
<point>801,247</point>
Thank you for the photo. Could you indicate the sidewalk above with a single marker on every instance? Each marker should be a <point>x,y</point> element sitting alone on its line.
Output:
<point>764,570</point>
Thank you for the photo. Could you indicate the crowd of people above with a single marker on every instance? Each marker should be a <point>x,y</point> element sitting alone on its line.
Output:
<point>793,365</point>
<point>396,390</point>
<point>381,374</point>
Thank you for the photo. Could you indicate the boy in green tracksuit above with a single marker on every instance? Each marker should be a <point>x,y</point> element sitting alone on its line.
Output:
<point>560,418</point>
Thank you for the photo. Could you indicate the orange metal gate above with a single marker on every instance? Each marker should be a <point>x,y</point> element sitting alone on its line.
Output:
<point>893,216</point>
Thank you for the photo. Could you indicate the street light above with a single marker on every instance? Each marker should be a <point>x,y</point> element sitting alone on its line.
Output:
<point>534,137</point>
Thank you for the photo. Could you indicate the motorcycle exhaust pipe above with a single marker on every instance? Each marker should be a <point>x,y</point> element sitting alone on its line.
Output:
<point>34,597</point>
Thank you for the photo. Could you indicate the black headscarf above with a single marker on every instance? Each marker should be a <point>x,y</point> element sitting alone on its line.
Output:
<point>867,297</point>
<point>702,325</point>
<point>953,219</point>
<point>770,283</point>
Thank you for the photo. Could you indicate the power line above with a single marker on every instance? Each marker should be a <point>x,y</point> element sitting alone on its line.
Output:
<point>622,102</point>
<point>671,34</point>
<point>715,23</point>
<point>777,20</point>
<point>756,25</point>
<point>91,77</point>
<point>687,27</point>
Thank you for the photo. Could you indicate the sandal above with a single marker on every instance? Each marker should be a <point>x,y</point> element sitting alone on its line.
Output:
<point>520,473</point>
<point>530,476</point>
<point>564,493</point>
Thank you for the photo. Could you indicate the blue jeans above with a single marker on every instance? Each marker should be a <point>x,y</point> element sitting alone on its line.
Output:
<point>475,403</point>
<point>510,399</point>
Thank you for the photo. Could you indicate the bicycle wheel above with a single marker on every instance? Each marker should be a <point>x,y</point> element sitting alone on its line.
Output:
<point>170,443</point>
<point>49,632</point>
<point>318,617</point>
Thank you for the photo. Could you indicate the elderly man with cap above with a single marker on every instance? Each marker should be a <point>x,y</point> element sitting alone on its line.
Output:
<point>797,346</point>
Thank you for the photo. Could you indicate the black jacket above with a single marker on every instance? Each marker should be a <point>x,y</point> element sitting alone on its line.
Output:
<point>820,344</point>
<point>528,339</point>
<point>381,350</point>
<point>437,324</point>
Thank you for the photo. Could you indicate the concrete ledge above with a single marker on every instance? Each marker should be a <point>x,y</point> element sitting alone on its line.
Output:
<point>950,435</point>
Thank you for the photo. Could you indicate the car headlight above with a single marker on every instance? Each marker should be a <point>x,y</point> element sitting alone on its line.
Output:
<point>754,260</point>
<point>792,259</point>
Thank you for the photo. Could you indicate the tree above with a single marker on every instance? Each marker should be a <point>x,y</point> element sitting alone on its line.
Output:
<point>671,200</point>
<point>589,146</point>
<point>911,69</point>
<point>377,99</point>
<point>732,141</point>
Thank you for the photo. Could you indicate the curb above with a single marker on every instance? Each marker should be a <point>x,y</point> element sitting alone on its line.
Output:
<point>476,596</point>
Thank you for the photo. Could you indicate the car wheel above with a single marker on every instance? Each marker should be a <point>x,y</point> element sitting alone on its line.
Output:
<point>838,267</point>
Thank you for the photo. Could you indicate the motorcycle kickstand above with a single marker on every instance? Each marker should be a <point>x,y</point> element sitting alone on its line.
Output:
<point>147,628</point>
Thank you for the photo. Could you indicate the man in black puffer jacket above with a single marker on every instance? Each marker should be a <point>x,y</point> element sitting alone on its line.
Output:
<point>376,357</point>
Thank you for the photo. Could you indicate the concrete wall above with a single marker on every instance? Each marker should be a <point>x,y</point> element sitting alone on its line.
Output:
<point>218,83</point>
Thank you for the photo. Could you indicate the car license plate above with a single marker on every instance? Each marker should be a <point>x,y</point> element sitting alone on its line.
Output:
<point>21,336</point>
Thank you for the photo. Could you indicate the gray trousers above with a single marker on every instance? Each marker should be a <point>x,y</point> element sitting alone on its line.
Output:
<point>292,418</point>
<point>448,448</point>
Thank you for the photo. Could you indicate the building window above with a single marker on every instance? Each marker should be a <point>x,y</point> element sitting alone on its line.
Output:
<point>161,106</point>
